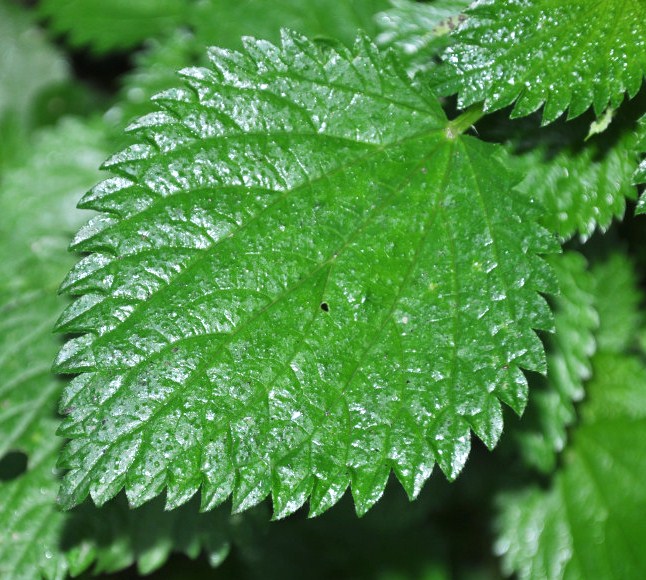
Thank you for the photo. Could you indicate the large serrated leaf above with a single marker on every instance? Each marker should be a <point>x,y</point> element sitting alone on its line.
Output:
<point>303,279</point>
<point>529,53</point>
<point>589,524</point>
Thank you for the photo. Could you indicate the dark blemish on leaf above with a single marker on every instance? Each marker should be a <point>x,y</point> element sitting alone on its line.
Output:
<point>325,307</point>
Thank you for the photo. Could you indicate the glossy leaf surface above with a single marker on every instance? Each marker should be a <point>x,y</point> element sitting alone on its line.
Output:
<point>564,55</point>
<point>303,278</point>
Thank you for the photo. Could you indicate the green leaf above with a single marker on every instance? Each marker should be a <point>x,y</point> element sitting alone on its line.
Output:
<point>33,258</point>
<point>640,174</point>
<point>225,23</point>
<point>419,31</point>
<point>581,188</point>
<point>38,540</point>
<point>589,523</point>
<point>618,301</point>
<point>569,353</point>
<point>531,53</point>
<point>214,22</point>
<point>28,66</point>
<point>107,25</point>
<point>303,279</point>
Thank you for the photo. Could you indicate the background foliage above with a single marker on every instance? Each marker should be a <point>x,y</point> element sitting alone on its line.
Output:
<point>560,496</point>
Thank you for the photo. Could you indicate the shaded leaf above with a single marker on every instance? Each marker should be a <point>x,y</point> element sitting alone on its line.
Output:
<point>590,521</point>
<point>582,188</point>
<point>618,300</point>
<point>569,352</point>
<point>28,66</point>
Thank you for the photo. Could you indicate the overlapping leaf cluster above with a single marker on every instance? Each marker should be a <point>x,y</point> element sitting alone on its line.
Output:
<point>302,278</point>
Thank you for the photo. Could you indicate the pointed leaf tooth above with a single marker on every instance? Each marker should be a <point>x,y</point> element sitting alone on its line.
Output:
<point>171,96</point>
<point>412,463</point>
<point>75,356</point>
<point>140,491</point>
<point>125,164</point>
<point>367,486</point>
<point>155,120</point>
<point>451,440</point>
<point>106,188</point>
<point>216,491</point>
<point>252,485</point>
<point>83,241</point>
<point>112,482</point>
<point>67,322</point>
<point>290,491</point>
<point>488,423</point>
<point>326,493</point>
<point>84,270</point>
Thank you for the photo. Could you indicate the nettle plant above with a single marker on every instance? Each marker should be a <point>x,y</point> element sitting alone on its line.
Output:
<point>311,270</point>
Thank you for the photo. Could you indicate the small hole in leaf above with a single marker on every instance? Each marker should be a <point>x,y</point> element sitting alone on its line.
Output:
<point>325,307</point>
<point>13,465</point>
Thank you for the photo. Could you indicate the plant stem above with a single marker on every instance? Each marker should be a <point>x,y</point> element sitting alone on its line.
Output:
<point>465,121</point>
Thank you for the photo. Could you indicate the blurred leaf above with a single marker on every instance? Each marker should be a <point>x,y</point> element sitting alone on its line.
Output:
<point>618,301</point>
<point>28,66</point>
<point>107,25</point>
<point>419,31</point>
<point>569,351</point>
<point>581,187</point>
<point>589,523</point>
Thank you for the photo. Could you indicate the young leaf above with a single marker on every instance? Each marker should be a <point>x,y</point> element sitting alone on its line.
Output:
<point>589,524</point>
<point>569,352</point>
<point>419,31</point>
<point>304,278</point>
<point>534,52</point>
<point>107,25</point>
